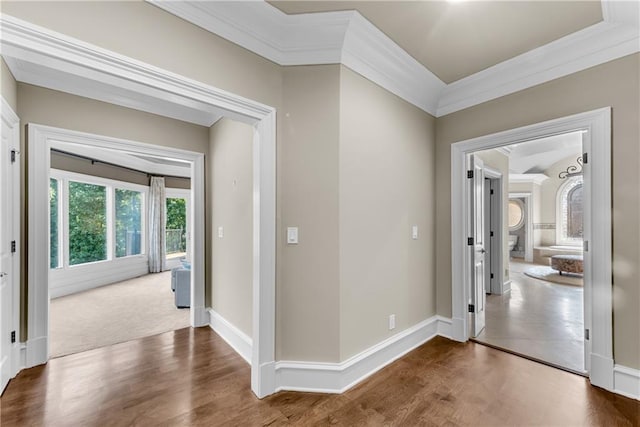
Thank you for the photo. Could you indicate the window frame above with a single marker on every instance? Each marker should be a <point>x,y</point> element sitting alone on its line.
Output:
<point>562,221</point>
<point>64,177</point>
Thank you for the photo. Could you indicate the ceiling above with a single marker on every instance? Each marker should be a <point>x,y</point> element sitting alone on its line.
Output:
<point>143,163</point>
<point>537,156</point>
<point>457,39</point>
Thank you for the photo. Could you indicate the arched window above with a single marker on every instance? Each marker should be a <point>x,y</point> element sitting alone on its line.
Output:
<point>569,212</point>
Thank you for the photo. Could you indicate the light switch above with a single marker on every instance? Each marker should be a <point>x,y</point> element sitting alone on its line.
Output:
<point>220,232</point>
<point>414,232</point>
<point>292,235</point>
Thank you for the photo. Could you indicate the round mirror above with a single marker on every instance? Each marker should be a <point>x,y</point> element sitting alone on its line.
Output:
<point>516,214</point>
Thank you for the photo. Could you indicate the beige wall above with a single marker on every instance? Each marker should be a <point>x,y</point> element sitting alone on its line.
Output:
<point>386,186</point>
<point>53,108</point>
<point>231,193</point>
<point>9,87</point>
<point>308,277</point>
<point>614,84</point>
<point>500,162</point>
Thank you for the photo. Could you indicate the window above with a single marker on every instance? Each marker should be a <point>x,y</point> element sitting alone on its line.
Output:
<point>94,219</point>
<point>87,223</point>
<point>54,237</point>
<point>176,227</point>
<point>569,212</point>
<point>128,222</point>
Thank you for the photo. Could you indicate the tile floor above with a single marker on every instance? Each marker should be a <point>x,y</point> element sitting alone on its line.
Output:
<point>539,319</point>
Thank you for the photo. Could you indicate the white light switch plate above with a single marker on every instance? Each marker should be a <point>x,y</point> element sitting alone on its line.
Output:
<point>220,232</point>
<point>414,232</point>
<point>292,235</point>
<point>392,322</point>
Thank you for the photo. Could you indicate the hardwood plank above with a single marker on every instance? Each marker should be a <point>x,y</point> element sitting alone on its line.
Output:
<point>192,377</point>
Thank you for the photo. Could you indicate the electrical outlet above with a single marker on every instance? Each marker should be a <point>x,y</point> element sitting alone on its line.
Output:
<point>392,322</point>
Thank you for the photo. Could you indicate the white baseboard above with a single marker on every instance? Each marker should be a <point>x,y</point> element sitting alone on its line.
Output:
<point>237,339</point>
<point>339,377</point>
<point>626,381</point>
<point>445,327</point>
<point>36,352</point>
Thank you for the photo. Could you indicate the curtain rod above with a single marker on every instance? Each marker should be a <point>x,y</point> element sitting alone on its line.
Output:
<point>93,161</point>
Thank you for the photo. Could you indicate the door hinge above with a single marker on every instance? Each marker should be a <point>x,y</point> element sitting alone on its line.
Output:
<point>13,156</point>
<point>585,246</point>
<point>470,241</point>
<point>491,192</point>
<point>586,334</point>
<point>585,158</point>
<point>491,275</point>
<point>472,308</point>
<point>13,246</point>
<point>13,336</point>
<point>469,174</point>
<point>491,234</point>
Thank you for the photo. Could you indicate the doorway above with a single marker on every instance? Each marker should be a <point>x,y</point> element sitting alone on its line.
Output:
<point>541,316</point>
<point>595,127</point>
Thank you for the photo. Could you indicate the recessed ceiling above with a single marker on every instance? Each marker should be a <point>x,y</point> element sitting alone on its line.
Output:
<point>455,40</point>
<point>539,155</point>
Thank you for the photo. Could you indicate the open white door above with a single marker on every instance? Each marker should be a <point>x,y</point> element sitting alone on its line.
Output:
<point>8,269</point>
<point>478,297</point>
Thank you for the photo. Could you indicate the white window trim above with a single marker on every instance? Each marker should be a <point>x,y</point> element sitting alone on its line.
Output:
<point>63,177</point>
<point>561,220</point>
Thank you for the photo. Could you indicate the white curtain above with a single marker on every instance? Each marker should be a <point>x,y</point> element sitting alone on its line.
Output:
<point>157,207</point>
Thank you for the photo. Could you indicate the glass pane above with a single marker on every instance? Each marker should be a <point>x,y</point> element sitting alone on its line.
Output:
<point>53,223</point>
<point>128,222</point>
<point>87,223</point>
<point>574,213</point>
<point>176,226</point>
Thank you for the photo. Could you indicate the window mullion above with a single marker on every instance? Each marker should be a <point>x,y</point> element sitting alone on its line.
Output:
<point>65,223</point>
<point>111,229</point>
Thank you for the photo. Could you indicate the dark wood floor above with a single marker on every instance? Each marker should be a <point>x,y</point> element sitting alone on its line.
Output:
<point>192,377</point>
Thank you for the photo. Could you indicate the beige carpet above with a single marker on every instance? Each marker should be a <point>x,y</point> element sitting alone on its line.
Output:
<point>115,313</point>
<point>551,275</point>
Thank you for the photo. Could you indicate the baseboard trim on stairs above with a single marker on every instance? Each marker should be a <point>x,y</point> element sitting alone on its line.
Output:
<point>237,339</point>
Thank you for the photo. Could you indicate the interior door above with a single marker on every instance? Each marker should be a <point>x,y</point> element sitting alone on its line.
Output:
<point>477,224</point>
<point>6,261</point>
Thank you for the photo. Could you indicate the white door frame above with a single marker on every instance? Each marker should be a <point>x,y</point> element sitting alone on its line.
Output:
<point>528,224</point>
<point>28,42</point>
<point>12,121</point>
<point>598,229</point>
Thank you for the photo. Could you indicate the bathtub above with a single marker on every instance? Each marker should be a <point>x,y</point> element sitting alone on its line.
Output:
<point>542,254</point>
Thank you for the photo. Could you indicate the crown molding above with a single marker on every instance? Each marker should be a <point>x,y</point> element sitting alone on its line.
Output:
<point>594,45</point>
<point>43,57</point>
<point>348,38</point>
<point>343,37</point>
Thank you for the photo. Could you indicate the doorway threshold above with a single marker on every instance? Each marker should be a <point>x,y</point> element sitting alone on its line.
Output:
<point>533,359</point>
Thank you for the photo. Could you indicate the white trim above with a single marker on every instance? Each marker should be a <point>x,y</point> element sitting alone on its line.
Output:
<point>527,178</point>
<point>598,275</point>
<point>626,381</point>
<point>237,339</point>
<point>65,55</point>
<point>339,377</point>
<point>12,121</point>
<point>347,37</point>
<point>344,37</point>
